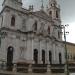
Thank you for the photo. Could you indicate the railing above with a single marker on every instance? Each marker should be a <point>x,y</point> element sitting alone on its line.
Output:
<point>57,68</point>
<point>22,67</point>
<point>39,68</point>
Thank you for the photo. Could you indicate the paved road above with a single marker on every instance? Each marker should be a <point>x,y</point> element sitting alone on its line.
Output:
<point>3,74</point>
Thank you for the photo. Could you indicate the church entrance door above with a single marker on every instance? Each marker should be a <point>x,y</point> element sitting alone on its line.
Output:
<point>10,58</point>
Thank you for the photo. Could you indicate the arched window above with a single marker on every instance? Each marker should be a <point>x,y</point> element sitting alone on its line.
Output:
<point>35,25</point>
<point>60,58</point>
<point>50,12</point>
<point>36,56</point>
<point>50,57</point>
<point>23,23</point>
<point>51,4</point>
<point>48,29</point>
<point>13,21</point>
<point>59,34</point>
<point>42,27</point>
<point>57,16</point>
<point>43,56</point>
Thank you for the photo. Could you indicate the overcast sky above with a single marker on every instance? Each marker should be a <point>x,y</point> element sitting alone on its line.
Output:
<point>67,13</point>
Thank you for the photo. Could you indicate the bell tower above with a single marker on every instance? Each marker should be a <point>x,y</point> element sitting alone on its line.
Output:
<point>54,12</point>
<point>54,9</point>
<point>12,3</point>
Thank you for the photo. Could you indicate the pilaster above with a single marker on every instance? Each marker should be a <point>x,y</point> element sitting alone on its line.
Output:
<point>54,58</point>
<point>47,53</point>
<point>40,53</point>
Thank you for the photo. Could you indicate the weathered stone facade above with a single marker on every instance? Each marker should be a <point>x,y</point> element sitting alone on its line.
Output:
<point>31,37</point>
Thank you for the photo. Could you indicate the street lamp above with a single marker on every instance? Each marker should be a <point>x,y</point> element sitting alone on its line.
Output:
<point>66,54</point>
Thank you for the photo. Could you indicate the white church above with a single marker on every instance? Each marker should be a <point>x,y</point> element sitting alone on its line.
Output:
<point>29,37</point>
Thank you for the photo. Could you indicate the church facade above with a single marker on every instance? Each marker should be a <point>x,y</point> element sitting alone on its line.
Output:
<point>29,36</point>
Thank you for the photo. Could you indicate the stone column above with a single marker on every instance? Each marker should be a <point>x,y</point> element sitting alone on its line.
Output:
<point>47,53</point>
<point>32,51</point>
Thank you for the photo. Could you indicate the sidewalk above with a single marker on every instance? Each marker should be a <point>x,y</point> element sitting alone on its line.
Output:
<point>16,73</point>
